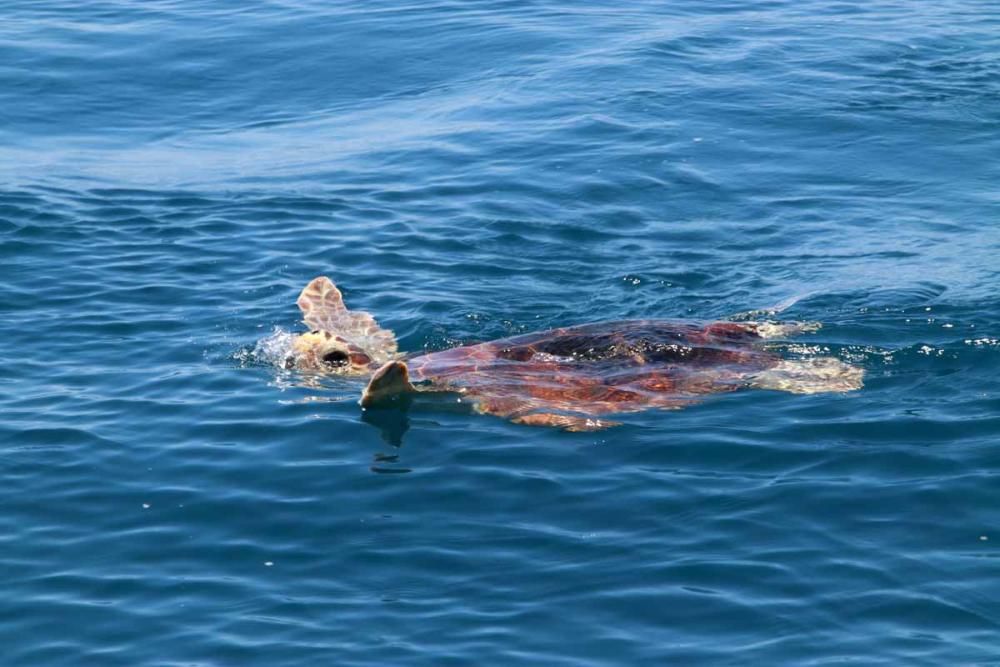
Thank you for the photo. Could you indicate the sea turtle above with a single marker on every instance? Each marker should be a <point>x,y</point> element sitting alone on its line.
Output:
<point>568,377</point>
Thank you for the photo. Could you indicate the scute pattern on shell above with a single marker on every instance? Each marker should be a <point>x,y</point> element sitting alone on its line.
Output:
<point>566,377</point>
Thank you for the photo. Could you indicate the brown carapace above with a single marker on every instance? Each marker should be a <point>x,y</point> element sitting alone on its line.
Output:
<point>569,378</point>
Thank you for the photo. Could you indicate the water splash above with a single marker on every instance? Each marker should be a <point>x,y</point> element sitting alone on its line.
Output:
<point>269,351</point>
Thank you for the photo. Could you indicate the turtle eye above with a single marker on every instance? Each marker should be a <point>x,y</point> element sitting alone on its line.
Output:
<point>314,331</point>
<point>335,358</point>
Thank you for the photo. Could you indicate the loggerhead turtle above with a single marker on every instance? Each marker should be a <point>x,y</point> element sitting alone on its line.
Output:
<point>568,377</point>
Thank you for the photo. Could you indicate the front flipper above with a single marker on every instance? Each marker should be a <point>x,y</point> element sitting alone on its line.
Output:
<point>390,381</point>
<point>520,411</point>
<point>322,304</point>
<point>565,422</point>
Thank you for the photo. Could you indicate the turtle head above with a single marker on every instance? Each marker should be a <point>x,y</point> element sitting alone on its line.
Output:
<point>329,353</point>
<point>342,341</point>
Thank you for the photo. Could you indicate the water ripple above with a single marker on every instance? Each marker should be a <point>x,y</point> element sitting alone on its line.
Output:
<point>175,172</point>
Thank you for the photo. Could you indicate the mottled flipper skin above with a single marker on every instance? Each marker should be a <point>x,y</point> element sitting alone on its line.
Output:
<point>343,341</point>
<point>322,305</point>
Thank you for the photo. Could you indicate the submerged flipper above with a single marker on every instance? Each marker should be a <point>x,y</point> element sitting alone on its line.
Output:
<point>528,413</point>
<point>810,376</point>
<point>565,422</point>
<point>390,381</point>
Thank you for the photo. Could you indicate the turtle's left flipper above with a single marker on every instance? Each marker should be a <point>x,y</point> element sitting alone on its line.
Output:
<point>565,422</point>
<point>392,380</point>
<point>810,376</point>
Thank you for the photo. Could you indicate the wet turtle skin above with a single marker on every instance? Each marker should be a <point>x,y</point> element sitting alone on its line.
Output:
<point>596,369</point>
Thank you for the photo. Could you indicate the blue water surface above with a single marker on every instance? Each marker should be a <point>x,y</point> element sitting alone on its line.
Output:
<point>172,173</point>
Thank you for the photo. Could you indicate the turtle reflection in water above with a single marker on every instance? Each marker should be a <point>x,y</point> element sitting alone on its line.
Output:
<point>571,377</point>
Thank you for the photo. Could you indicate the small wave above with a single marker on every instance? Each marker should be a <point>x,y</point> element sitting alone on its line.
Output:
<point>984,341</point>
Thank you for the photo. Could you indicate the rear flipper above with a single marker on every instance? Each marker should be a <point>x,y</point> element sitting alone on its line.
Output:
<point>810,376</point>
<point>519,411</point>
<point>772,311</point>
<point>390,381</point>
<point>781,330</point>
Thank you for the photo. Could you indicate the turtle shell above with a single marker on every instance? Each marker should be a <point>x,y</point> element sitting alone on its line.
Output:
<point>595,369</point>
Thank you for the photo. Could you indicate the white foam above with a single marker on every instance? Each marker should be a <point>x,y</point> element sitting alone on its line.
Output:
<point>271,350</point>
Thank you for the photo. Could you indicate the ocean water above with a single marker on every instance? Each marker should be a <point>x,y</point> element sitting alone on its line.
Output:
<point>172,173</point>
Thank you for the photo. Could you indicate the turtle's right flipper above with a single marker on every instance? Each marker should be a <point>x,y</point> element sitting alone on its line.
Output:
<point>390,381</point>
<point>526,412</point>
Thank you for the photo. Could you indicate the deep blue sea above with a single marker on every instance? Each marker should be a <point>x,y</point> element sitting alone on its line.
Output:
<point>172,172</point>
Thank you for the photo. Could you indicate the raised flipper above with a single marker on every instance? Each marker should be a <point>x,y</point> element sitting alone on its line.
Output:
<point>321,304</point>
<point>390,381</point>
<point>323,309</point>
<point>810,376</point>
